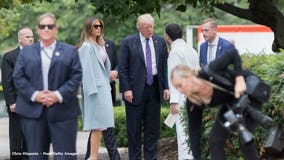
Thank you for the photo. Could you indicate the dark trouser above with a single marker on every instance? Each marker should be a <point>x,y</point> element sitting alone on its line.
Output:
<point>39,133</point>
<point>16,138</point>
<point>110,143</point>
<point>195,129</point>
<point>146,115</point>
<point>219,135</point>
<point>113,92</point>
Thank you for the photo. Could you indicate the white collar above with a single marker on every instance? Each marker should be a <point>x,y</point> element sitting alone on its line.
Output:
<point>215,42</point>
<point>52,46</point>
<point>143,39</point>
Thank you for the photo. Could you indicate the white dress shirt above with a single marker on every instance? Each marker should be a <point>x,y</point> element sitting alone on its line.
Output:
<point>181,53</point>
<point>214,46</point>
<point>153,57</point>
<point>46,54</point>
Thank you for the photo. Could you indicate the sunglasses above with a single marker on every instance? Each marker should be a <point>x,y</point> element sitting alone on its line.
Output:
<point>49,26</point>
<point>28,37</point>
<point>96,26</point>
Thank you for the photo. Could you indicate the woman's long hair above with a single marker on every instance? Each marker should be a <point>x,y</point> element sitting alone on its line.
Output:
<point>87,31</point>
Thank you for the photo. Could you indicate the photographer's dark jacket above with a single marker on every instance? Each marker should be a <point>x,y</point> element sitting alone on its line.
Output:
<point>222,72</point>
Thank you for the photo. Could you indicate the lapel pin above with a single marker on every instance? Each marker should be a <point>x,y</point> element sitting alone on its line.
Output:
<point>57,54</point>
<point>106,45</point>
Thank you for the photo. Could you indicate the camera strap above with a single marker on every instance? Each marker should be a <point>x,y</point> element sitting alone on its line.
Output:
<point>220,88</point>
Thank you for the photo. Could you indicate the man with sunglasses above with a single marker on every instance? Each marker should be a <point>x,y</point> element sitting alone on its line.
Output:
<point>47,76</point>
<point>16,139</point>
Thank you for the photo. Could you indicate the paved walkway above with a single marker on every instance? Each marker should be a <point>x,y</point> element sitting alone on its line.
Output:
<point>82,138</point>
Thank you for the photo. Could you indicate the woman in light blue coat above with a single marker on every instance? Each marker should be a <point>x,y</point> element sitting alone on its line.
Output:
<point>97,103</point>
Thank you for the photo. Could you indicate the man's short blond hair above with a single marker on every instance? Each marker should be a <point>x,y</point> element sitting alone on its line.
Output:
<point>50,15</point>
<point>212,22</point>
<point>144,18</point>
<point>183,71</point>
<point>20,31</point>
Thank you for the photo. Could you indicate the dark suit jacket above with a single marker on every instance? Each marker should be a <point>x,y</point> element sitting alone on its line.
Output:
<point>132,68</point>
<point>65,75</point>
<point>223,45</point>
<point>111,51</point>
<point>7,67</point>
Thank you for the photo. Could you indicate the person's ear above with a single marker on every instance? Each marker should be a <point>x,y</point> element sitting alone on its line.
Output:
<point>167,36</point>
<point>168,39</point>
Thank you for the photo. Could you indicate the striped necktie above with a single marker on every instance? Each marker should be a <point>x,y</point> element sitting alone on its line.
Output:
<point>149,63</point>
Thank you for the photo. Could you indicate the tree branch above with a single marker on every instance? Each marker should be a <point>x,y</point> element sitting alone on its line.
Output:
<point>236,11</point>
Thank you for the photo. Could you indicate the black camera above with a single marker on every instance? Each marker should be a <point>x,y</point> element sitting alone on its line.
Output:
<point>274,143</point>
<point>257,91</point>
<point>234,123</point>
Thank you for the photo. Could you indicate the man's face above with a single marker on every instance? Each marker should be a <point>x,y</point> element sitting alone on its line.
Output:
<point>209,32</point>
<point>47,29</point>
<point>26,37</point>
<point>146,29</point>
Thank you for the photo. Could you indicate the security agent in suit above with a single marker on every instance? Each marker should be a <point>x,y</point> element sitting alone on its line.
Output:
<point>47,76</point>
<point>142,95</point>
<point>219,46</point>
<point>17,142</point>
<point>109,133</point>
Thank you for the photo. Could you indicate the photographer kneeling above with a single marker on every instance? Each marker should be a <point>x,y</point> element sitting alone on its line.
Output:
<point>218,84</point>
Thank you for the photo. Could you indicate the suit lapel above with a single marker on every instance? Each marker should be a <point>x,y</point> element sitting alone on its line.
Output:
<point>139,47</point>
<point>204,53</point>
<point>109,52</point>
<point>37,52</point>
<point>37,56</point>
<point>98,55</point>
<point>56,53</point>
<point>106,65</point>
<point>156,47</point>
<point>107,47</point>
<point>219,47</point>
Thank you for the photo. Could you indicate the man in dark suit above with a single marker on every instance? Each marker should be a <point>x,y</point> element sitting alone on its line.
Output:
<point>109,133</point>
<point>17,143</point>
<point>212,48</point>
<point>47,76</point>
<point>142,67</point>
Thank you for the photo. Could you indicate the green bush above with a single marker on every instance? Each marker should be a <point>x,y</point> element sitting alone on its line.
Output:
<point>120,125</point>
<point>271,69</point>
